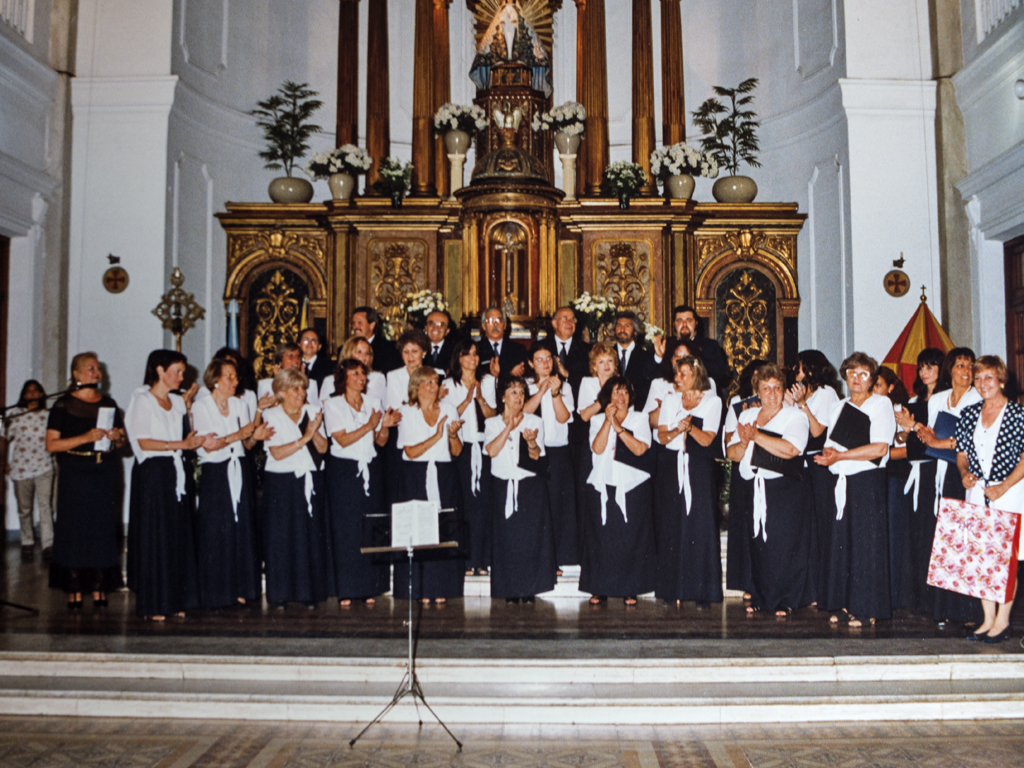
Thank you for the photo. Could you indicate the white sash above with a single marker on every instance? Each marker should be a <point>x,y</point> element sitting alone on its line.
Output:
<point>179,472</point>
<point>840,496</point>
<point>914,481</point>
<point>761,508</point>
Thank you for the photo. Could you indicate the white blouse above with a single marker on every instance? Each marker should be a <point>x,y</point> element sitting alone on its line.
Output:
<point>939,401</point>
<point>413,430</point>
<point>590,388</point>
<point>248,398</point>
<point>556,434</point>
<point>471,431</point>
<point>287,431</point>
<point>207,419</point>
<point>505,466</point>
<point>376,387</point>
<point>147,420</point>
<point>340,416</point>
<point>709,410</point>
<point>265,387</point>
<point>660,389</point>
<point>820,404</point>
<point>607,471</point>
<point>883,428</point>
<point>489,390</point>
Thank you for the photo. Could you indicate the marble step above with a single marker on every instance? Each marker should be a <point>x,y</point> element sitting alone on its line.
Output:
<point>491,691</point>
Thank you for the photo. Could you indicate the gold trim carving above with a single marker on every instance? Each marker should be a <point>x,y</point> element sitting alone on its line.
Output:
<point>248,251</point>
<point>396,268</point>
<point>725,251</point>
<point>746,335</point>
<point>622,273</point>
<point>278,314</point>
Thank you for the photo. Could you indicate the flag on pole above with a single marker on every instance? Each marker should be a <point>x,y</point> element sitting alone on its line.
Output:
<point>921,332</point>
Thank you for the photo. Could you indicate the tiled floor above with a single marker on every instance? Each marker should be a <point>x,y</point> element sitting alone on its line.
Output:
<point>49,743</point>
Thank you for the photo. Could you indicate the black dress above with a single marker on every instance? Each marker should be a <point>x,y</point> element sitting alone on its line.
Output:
<point>618,557</point>
<point>689,543</point>
<point>474,486</point>
<point>523,559</point>
<point>561,479</point>
<point>161,538</point>
<point>86,553</point>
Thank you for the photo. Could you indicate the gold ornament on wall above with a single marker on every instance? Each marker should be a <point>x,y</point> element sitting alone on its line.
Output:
<point>396,269</point>
<point>178,310</point>
<point>277,312</point>
<point>623,276</point>
<point>746,335</point>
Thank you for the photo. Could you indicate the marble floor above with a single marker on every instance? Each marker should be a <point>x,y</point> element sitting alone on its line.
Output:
<point>43,742</point>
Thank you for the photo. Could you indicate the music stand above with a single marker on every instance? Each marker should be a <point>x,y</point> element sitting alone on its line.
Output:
<point>410,684</point>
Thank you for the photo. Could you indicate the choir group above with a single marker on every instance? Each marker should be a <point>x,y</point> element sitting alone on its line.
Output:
<point>566,453</point>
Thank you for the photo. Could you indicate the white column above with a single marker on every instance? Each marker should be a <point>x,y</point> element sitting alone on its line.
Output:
<point>989,288</point>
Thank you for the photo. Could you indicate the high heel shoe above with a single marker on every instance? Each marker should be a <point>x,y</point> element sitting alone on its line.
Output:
<point>74,605</point>
<point>1000,638</point>
<point>99,602</point>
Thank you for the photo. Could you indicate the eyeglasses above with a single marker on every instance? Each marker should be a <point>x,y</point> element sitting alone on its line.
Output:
<point>437,324</point>
<point>859,374</point>
<point>493,321</point>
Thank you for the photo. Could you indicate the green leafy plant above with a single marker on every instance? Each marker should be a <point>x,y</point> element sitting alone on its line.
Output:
<point>395,178</point>
<point>730,132</point>
<point>284,118</point>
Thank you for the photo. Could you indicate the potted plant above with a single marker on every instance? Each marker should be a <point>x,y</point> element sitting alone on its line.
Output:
<point>285,120</point>
<point>395,179</point>
<point>418,305</point>
<point>730,135</point>
<point>340,166</point>
<point>676,165</point>
<point>458,123</point>
<point>567,121</point>
<point>624,180</point>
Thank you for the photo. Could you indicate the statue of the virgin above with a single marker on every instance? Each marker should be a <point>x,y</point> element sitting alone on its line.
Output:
<point>511,37</point>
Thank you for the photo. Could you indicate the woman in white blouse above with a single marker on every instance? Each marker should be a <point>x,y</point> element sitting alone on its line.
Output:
<point>358,426</point>
<point>464,393</point>
<point>550,397</point>
<point>161,544</point>
<point>686,501</point>
<point>428,437</point>
<point>523,559</point>
<point>780,500</point>
<point>296,553</point>
<point>816,393</point>
<point>858,578</point>
<point>413,346</point>
<point>604,364</point>
<point>618,555</point>
<point>226,548</point>
<point>358,348</point>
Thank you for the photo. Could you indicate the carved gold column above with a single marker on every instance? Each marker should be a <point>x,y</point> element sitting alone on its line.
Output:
<point>594,92</point>
<point>673,105</point>
<point>378,92</point>
<point>643,92</point>
<point>581,154</point>
<point>442,92</point>
<point>470,265</point>
<point>346,129</point>
<point>423,102</point>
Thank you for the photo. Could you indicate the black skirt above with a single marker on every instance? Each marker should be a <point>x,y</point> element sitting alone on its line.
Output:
<point>618,557</point>
<point>87,525</point>
<point>523,560</point>
<point>356,575</point>
<point>740,528</point>
<point>561,487</point>
<point>476,508</point>
<point>900,507</point>
<point>780,555</point>
<point>225,547</point>
<point>298,554</point>
<point>436,572</point>
<point>823,490</point>
<point>161,549</point>
<point>689,545</point>
<point>922,535</point>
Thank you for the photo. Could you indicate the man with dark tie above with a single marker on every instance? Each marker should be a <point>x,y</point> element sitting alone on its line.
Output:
<point>441,341</point>
<point>364,323</point>
<point>571,353</point>
<point>502,356</point>
<point>316,366</point>
<point>684,325</point>
<point>636,364</point>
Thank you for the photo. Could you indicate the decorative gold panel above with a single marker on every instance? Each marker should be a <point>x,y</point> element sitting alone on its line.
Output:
<point>396,268</point>
<point>622,274</point>
<point>748,328</point>
<point>278,314</point>
<point>247,251</point>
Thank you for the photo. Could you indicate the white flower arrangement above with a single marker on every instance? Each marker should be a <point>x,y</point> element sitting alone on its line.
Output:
<point>680,159</point>
<point>457,117</point>
<point>570,118</point>
<point>395,177</point>
<point>345,159</point>
<point>652,332</point>
<point>418,305</point>
<point>625,178</point>
<point>595,311</point>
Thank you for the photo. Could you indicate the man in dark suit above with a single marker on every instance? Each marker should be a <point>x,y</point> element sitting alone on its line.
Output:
<point>364,323</point>
<point>315,365</point>
<point>684,324</point>
<point>442,341</point>
<point>571,353</point>
<point>635,363</point>
<point>501,356</point>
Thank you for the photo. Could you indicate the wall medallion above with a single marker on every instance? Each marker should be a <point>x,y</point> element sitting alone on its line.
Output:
<point>115,279</point>
<point>896,283</point>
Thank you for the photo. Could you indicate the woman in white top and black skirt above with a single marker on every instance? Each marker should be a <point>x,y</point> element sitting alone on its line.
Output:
<point>297,553</point>
<point>358,348</point>
<point>618,556</point>
<point>473,465</point>
<point>685,498</point>
<point>358,426</point>
<point>768,446</point>
<point>816,393</point>
<point>860,430</point>
<point>550,397</point>
<point>428,437</point>
<point>990,459</point>
<point>226,545</point>
<point>523,558</point>
<point>161,539</point>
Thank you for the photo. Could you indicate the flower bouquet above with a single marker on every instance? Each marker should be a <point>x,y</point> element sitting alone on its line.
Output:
<point>570,118</point>
<point>624,180</point>
<point>395,179</point>
<point>418,305</point>
<point>345,159</point>
<point>456,117</point>
<point>652,333</point>
<point>595,312</point>
<point>682,159</point>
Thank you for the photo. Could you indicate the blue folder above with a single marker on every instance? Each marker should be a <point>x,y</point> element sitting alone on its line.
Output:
<point>945,428</point>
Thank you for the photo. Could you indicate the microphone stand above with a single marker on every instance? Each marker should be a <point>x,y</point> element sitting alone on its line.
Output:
<point>6,420</point>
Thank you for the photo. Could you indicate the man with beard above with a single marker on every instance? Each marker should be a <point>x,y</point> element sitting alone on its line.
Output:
<point>684,325</point>
<point>635,363</point>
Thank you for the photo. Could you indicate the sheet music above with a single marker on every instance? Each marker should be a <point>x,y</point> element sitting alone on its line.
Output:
<point>104,420</point>
<point>414,523</point>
